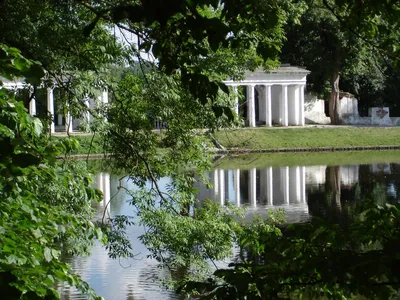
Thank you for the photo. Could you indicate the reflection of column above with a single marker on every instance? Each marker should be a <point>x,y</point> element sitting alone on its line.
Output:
<point>285,184</point>
<point>294,183</point>
<point>32,106</point>
<point>103,183</point>
<point>251,114</point>
<point>284,106</point>
<point>252,187</point>
<point>303,184</point>
<point>222,186</point>
<point>216,191</point>
<point>270,186</point>
<point>268,105</point>
<point>237,186</point>
<point>236,104</point>
<point>50,108</point>
<point>230,184</point>
<point>301,105</point>
<point>106,187</point>
<point>262,197</point>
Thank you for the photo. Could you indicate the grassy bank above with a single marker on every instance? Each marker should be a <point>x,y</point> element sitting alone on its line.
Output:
<point>291,138</point>
<point>280,138</point>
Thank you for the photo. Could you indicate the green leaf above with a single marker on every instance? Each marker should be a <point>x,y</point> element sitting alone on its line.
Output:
<point>38,126</point>
<point>47,254</point>
<point>36,233</point>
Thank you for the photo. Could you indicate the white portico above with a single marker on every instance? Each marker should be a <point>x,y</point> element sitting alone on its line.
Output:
<point>272,97</point>
<point>61,119</point>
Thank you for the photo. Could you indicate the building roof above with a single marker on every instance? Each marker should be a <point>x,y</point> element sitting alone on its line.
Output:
<point>16,83</point>
<point>284,75</point>
<point>283,69</point>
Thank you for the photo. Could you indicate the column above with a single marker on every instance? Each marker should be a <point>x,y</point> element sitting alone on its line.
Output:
<point>284,106</point>
<point>87,115</point>
<point>251,114</point>
<point>104,97</point>
<point>268,105</point>
<point>99,181</point>
<point>301,105</point>
<point>293,104</point>
<point>236,184</point>
<point>68,122</point>
<point>270,186</point>
<point>222,187</point>
<point>32,106</point>
<point>50,108</point>
<point>253,187</point>
<point>236,103</point>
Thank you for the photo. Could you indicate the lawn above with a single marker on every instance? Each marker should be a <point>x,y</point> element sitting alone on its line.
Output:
<point>310,138</point>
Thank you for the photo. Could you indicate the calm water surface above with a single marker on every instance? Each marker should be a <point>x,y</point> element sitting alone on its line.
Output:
<point>303,191</point>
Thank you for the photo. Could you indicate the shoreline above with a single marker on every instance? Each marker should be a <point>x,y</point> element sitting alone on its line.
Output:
<point>249,151</point>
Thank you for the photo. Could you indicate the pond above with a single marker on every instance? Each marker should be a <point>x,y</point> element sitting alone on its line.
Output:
<point>322,185</point>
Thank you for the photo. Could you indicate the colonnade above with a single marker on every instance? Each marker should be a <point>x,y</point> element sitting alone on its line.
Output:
<point>275,186</point>
<point>68,123</point>
<point>281,104</point>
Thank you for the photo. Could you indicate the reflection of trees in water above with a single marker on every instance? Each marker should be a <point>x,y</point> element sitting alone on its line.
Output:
<point>336,201</point>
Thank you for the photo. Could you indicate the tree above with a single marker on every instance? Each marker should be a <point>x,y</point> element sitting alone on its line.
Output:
<point>315,260</point>
<point>45,206</point>
<point>185,99</point>
<point>187,40</point>
<point>331,51</point>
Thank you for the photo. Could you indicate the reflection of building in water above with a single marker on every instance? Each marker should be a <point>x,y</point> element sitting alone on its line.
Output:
<point>271,186</point>
<point>349,174</point>
<point>285,186</point>
<point>380,168</point>
<point>103,184</point>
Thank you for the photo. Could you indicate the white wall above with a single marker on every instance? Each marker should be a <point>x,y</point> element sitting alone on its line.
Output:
<point>314,110</point>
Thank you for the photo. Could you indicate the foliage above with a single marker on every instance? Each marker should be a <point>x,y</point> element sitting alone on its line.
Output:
<point>88,144</point>
<point>200,42</point>
<point>316,260</point>
<point>324,45</point>
<point>195,44</point>
<point>45,206</point>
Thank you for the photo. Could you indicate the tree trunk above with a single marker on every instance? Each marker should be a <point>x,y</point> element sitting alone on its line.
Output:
<point>334,104</point>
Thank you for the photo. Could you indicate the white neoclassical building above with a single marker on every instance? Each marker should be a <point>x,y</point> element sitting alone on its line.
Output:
<point>272,97</point>
<point>60,122</point>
